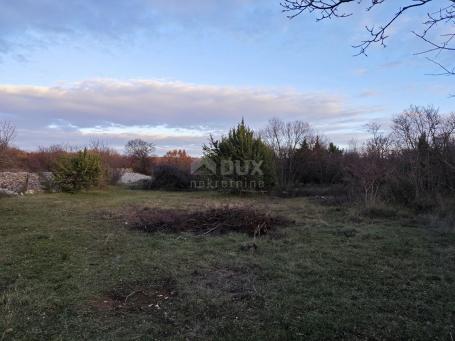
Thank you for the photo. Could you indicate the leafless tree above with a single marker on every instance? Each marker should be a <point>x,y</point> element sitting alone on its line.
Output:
<point>425,141</point>
<point>7,133</point>
<point>417,122</point>
<point>285,138</point>
<point>448,128</point>
<point>98,145</point>
<point>369,169</point>
<point>379,144</point>
<point>366,174</point>
<point>444,14</point>
<point>139,151</point>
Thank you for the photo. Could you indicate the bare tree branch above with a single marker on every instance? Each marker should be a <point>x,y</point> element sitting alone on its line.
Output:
<point>446,71</point>
<point>377,35</point>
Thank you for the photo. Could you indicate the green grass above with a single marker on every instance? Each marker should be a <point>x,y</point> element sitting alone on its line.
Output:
<point>65,269</point>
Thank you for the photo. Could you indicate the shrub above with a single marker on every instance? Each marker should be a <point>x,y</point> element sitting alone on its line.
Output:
<point>44,159</point>
<point>171,177</point>
<point>78,172</point>
<point>178,158</point>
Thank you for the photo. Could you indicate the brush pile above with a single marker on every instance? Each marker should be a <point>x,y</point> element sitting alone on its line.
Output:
<point>218,220</point>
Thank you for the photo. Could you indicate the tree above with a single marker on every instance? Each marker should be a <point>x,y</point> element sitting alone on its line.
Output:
<point>411,124</point>
<point>178,158</point>
<point>7,133</point>
<point>243,161</point>
<point>369,170</point>
<point>112,161</point>
<point>379,144</point>
<point>443,14</point>
<point>319,162</point>
<point>82,171</point>
<point>44,159</point>
<point>285,138</point>
<point>333,149</point>
<point>139,151</point>
<point>425,142</point>
<point>173,170</point>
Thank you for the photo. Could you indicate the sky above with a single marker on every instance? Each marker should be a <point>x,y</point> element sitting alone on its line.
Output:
<point>172,72</point>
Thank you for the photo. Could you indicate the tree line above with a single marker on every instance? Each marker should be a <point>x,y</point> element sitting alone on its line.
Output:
<point>413,164</point>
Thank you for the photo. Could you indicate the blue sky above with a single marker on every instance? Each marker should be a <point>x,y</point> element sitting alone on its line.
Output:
<point>173,72</point>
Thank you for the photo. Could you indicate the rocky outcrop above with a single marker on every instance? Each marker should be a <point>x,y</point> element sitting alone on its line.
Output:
<point>20,182</point>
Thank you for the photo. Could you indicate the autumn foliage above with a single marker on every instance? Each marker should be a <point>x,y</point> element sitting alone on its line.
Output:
<point>411,164</point>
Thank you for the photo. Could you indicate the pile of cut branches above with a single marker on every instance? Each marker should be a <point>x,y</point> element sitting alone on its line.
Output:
<point>213,220</point>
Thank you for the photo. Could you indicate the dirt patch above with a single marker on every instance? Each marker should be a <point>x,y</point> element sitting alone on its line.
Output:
<point>217,220</point>
<point>137,296</point>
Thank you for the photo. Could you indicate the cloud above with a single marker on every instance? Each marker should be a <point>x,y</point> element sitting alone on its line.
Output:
<point>155,102</point>
<point>163,110</point>
<point>32,139</point>
<point>26,24</point>
<point>368,93</point>
<point>391,65</point>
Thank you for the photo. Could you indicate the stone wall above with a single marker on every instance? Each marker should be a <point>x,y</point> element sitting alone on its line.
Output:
<point>20,182</point>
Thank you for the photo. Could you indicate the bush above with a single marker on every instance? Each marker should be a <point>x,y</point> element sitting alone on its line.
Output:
<point>399,189</point>
<point>171,177</point>
<point>78,172</point>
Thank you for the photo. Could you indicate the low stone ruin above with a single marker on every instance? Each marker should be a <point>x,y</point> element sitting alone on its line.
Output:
<point>20,182</point>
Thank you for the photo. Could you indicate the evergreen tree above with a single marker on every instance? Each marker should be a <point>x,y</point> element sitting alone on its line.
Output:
<point>78,172</point>
<point>334,149</point>
<point>242,157</point>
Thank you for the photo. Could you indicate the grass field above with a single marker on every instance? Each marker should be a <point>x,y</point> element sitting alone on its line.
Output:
<point>68,272</point>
